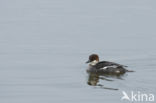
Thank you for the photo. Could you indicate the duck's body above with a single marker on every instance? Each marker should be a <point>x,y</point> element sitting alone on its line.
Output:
<point>104,67</point>
<point>101,69</point>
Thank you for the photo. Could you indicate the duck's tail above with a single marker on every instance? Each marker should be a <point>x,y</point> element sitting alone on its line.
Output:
<point>129,70</point>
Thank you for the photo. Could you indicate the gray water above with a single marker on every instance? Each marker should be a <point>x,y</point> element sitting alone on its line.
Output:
<point>44,45</point>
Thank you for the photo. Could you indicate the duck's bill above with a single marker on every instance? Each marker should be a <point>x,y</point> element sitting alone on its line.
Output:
<point>87,61</point>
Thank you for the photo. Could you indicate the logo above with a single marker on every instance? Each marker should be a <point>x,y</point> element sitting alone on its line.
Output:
<point>137,96</point>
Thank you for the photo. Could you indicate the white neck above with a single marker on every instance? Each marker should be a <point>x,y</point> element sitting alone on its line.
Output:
<point>93,62</point>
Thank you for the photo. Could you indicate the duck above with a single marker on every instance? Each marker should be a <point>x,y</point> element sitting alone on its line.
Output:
<point>105,67</point>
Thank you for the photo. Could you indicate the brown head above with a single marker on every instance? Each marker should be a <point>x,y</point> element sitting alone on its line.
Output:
<point>93,57</point>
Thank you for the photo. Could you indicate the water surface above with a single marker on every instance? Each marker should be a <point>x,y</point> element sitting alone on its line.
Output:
<point>44,45</point>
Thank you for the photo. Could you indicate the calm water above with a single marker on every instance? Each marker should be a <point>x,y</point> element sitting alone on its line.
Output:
<point>44,45</point>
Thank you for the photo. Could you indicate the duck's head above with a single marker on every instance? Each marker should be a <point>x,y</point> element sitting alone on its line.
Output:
<point>93,59</point>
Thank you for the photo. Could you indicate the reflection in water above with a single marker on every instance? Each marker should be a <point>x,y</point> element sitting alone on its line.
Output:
<point>93,80</point>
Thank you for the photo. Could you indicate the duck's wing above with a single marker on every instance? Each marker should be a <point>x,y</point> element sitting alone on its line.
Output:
<point>103,64</point>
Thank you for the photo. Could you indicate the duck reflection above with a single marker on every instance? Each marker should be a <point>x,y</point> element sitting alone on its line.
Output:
<point>94,78</point>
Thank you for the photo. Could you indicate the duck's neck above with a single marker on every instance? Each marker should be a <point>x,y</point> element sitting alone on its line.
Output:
<point>93,62</point>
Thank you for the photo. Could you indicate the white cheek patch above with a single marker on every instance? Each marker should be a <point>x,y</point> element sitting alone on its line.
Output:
<point>93,62</point>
